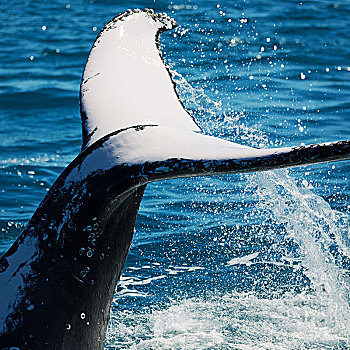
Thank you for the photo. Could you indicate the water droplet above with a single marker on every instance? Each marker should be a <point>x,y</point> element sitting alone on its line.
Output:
<point>68,326</point>
<point>82,251</point>
<point>89,253</point>
<point>44,217</point>
<point>30,307</point>
<point>102,256</point>
<point>82,315</point>
<point>45,235</point>
<point>43,28</point>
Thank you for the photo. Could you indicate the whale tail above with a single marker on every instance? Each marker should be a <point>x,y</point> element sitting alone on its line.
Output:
<point>128,95</point>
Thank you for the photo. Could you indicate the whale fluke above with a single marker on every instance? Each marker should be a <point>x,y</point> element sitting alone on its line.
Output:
<point>58,279</point>
<point>125,81</point>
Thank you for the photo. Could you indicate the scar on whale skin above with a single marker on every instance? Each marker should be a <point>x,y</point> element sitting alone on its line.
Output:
<point>58,279</point>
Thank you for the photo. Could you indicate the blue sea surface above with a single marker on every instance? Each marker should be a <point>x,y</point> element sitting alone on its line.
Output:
<point>253,261</point>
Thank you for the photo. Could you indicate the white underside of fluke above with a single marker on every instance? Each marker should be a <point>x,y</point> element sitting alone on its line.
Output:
<point>126,83</point>
<point>127,90</point>
<point>160,143</point>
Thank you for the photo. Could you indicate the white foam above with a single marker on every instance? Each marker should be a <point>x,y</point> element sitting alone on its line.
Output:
<point>244,260</point>
<point>231,321</point>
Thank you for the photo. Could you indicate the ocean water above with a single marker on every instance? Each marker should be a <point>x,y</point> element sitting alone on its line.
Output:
<point>256,261</point>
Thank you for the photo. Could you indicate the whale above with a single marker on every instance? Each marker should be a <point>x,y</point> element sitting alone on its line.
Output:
<point>58,279</point>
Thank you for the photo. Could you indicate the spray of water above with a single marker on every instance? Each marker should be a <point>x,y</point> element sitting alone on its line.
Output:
<point>318,231</point>
<point>316,318</point>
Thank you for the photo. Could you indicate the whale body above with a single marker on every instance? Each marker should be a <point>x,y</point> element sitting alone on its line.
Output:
<point>58,279</point>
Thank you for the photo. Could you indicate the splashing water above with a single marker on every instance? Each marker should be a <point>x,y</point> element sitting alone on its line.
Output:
<point>314,316</point>
<point>212,117</point>
<point>231,321</point>
<point>317,317</point>
<point>321,234</point>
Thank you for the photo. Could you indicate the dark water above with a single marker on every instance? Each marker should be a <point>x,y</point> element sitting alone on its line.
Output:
<point>257,261</point>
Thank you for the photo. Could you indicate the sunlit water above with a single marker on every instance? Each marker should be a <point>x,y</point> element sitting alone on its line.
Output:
<point>257,261</point>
